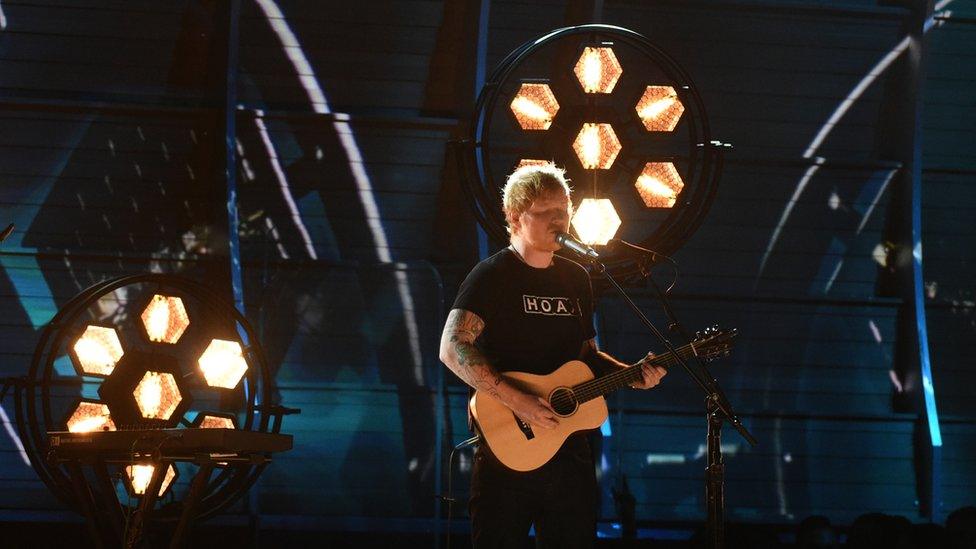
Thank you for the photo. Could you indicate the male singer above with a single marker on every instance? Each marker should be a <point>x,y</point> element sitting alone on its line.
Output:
<point>526,309</point>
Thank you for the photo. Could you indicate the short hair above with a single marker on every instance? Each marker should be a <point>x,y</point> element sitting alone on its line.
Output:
<point>528,183</point>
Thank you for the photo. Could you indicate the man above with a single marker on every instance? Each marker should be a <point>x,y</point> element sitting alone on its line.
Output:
<point>526,309</point>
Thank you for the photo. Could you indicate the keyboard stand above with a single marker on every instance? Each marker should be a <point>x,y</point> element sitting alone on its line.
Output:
<point>105,517</point>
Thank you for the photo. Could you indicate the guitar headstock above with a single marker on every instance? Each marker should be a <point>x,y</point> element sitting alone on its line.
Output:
<point>714,342</point>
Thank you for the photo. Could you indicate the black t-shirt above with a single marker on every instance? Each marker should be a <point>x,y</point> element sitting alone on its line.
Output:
<point>535,319</point>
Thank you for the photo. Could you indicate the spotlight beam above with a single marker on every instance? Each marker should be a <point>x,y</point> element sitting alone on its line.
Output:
<point>347,138</point>
<point>877,70</point>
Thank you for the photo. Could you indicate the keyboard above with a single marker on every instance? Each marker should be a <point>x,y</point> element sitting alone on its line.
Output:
<point>166,441</point>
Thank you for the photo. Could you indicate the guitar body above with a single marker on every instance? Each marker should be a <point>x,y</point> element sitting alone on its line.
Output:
<point>520,446</point>
<point>577,399</point>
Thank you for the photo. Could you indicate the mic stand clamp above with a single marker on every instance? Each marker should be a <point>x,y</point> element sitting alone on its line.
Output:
<point>717,410</point>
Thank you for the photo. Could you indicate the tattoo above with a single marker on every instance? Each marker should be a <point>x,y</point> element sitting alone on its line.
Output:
<point>464,324</point>
<point>463,357</point>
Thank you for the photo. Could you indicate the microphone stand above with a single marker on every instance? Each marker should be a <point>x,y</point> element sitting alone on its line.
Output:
<point>717,410</point>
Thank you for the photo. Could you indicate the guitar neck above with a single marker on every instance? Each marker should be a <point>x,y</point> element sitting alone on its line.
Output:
<point>627,376</point>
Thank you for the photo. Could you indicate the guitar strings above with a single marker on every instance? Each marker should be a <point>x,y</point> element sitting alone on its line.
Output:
<point>596,387</point>
<point>622,377</point>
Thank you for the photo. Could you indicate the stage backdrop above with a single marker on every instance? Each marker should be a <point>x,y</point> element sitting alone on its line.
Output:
<point>354,235</point>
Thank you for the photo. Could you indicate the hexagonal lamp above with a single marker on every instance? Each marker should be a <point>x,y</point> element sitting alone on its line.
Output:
<point>531,162</point>
<point>138,477</point>
<point>223,364</point>
<point>205,420</point>
<point>146,390</point>
<point>596,146</point>
<point>596,221</point>
<point>165,319</point>
<point>660,109</point>
<point>659,184</point>
<point>534,106</point>
<point>598,70</point>
<point>157,395</point>
<point>90,416</point>
<point>97,351</point>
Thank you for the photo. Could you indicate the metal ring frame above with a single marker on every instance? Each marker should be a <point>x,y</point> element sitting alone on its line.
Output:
<point>705,157</point>
<point>34,393</point>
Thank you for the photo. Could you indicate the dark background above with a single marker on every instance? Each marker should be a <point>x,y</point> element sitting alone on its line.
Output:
<point>354,235</point>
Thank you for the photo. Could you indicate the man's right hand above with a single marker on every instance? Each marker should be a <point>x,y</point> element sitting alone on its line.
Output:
<point>533,410</point>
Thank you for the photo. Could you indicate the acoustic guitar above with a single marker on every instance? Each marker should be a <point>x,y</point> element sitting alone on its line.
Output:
<point>577,398</point>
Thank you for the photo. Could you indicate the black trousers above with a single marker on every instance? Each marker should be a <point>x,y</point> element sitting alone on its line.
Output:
<point>559,498</point>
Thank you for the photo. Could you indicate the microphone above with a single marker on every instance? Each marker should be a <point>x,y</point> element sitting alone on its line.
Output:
<point>577,247</point>
<point>6,232</point>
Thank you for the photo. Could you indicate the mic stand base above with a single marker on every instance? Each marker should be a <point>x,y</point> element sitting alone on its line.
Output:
<point>717,410</point>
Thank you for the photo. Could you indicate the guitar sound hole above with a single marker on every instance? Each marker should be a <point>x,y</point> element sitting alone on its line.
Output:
<point>563,401</point>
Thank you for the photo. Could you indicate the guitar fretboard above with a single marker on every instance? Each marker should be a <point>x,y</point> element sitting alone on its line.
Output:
<point>622,378</point>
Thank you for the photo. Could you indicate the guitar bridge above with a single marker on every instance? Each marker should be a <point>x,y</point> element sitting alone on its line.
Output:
<point>524,427</point>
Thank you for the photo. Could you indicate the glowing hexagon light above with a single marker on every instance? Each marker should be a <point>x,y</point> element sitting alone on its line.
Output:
<point>89,417</point>
<point>598,69</point>
<point>534,106</point>
<point>209,421</point>
<point>531,162</point>
<point>165,319</point>
<point>157,395</point>
<point>659,184</point>
<point>97,351</point>
<point>596,146</point>
<point>660,109</point>
<point>139,476</point>
<point>596,221</point>
<point>223,363</point>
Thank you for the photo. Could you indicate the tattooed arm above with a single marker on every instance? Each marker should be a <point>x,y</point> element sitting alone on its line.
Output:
<point>459,352</point>
<point>591,354</point>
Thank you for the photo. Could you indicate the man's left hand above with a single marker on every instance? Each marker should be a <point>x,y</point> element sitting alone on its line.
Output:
<point>651,374</point>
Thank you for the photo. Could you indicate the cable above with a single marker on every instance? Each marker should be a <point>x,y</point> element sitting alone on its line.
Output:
<point>450,491</point>
<point>653,255</point>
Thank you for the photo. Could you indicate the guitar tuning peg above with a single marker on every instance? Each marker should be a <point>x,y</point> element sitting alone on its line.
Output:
<point>698,335</point>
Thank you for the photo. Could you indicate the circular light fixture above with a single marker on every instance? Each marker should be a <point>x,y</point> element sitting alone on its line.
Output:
<point>624,120</point>
<point>148,381</point>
